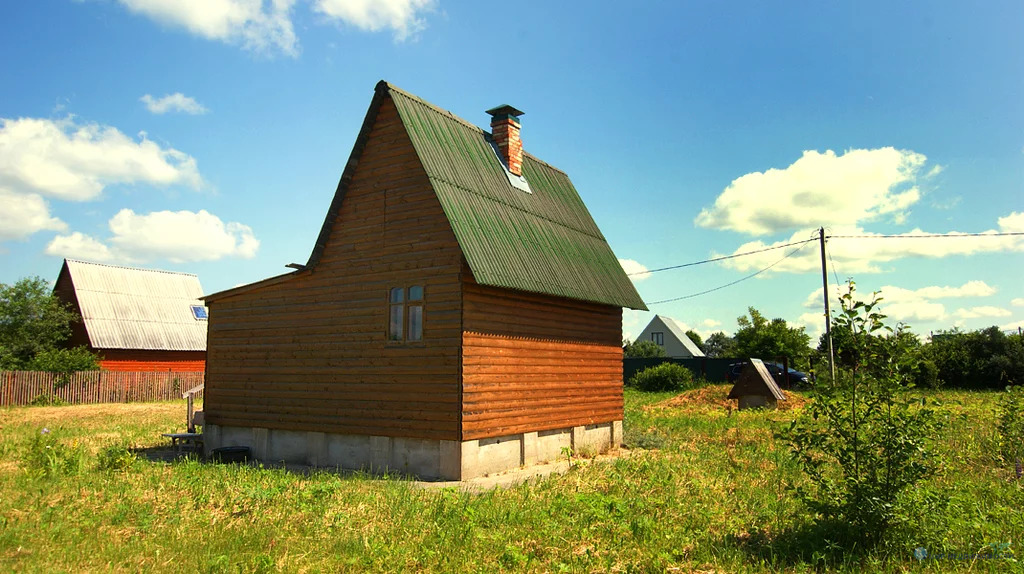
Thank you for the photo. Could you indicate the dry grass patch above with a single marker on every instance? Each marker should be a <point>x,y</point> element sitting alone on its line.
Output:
<point>711,398</point>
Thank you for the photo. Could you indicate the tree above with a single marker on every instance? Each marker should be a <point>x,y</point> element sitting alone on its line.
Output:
<point>861,443</point>
<point>759,337</point>
<point>900,346</point>
<point>696,339</point>
<point>983,359</point>
<point>33,325</point>
<point>642,350</point>
<point>720,345</point>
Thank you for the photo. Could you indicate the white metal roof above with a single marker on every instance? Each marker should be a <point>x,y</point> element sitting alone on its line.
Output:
<point>681,335</point>
<point>129,308</point>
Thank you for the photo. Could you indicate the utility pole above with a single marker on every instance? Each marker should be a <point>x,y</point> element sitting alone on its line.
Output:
<point>828,314</point>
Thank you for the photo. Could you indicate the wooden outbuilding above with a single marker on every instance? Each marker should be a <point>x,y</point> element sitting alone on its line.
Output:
<point>755,387</point>
<point>136,319</point>
<point>460,313</point>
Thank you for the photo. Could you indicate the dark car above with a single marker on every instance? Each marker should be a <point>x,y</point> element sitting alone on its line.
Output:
<point>796,378</point>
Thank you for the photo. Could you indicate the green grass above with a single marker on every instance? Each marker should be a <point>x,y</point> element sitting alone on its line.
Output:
<point>713,497</point>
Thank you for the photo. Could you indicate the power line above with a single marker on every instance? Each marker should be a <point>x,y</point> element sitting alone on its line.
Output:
<point>723,258</point>
<point>752,275</point>
<point>784,245</point>
<point>931,236</point>
<point>801,245</point>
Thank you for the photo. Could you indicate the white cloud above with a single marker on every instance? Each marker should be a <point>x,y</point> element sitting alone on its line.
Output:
<point>404,17</point>
<point>827,189</point>
<point>1017,302</point>
<point>983,311</point>
<point>181,236</point>
<point>266,26</point>
<point>864,254</point>
<point>710,323</point>
<point>1012,325</point>
<point>633,322</point>
<point>23,214</point>
<point>178,236</point>
<point>909,305</point>
<point>81,246</point>
<point>637,271</point>
<point>1013,223</point>
<point>257,25</point>
<point>176,102</point>
<point>71,161</point>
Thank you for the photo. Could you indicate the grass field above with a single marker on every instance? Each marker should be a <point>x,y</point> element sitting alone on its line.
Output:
<point>704,489</point>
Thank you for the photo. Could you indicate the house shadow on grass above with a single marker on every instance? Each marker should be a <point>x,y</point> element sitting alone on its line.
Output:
<point>825,545</point>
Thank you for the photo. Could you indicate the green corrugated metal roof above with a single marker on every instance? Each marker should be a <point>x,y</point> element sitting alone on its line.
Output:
<point>541,242</point>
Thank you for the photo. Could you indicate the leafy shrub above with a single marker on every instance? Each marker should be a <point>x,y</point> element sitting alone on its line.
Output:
<point>643,350</point>
<point>48,457</point>
<point>47,400</point>
<point>926,374</point>
<point>983,359</point>
<point>861,444</point>
<point>116,459</point>
<point>64,360</point>
<point>663,377</point>
<point>1011,425</point>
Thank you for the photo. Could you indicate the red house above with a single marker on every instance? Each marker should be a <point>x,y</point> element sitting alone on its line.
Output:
<point>136,319</point>
<point>460,313</point>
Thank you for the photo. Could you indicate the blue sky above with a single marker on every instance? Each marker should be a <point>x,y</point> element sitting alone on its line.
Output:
<point>209,135</point>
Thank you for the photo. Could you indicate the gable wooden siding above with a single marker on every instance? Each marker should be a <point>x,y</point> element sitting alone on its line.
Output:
<point>534,363</point>
<point>310,353</point>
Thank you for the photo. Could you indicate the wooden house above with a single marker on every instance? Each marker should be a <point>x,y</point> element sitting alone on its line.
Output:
<point>460,313</point>
<point>136,319</point>
<point>667,333</point>
<point>756,388</point>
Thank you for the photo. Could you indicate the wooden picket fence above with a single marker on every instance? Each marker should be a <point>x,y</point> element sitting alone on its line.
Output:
<point>89,387</point>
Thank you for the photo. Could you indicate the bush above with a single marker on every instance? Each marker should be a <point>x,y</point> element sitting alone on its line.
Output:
<point>983,359</point>
<point>663,377</point>
<point>1011,425</point>
<point>64,360</point>
<point>862,445</point>
<point>47,400</point>
<point>926,375</point>
<point>48,457</point>
<point>642,350</point>
<point>116,459</point>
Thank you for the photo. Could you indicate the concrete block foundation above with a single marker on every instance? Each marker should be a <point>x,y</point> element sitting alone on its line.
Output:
<point>424,458</point>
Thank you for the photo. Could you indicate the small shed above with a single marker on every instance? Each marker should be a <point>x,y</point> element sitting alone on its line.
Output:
<point>755,387</point>
<point>136,319</point>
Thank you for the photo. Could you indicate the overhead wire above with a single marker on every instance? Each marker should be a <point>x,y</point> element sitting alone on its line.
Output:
<point>722,258</point>
<point>802,244</point>
<point>930,236</point>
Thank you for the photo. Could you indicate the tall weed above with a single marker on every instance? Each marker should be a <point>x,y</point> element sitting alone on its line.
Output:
<point>48,457</point>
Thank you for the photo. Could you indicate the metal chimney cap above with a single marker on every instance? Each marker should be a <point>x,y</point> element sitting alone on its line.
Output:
<point>505,110</point>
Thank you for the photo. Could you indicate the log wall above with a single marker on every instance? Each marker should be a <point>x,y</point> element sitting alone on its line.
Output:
<point>311,353</point>
<point>534,363</point>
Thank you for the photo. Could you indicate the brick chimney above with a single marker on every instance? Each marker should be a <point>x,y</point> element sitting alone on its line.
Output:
<point>505,132</point>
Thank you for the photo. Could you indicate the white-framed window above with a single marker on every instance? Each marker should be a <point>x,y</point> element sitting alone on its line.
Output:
<point>405,314</point>
<point>658,338</point>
